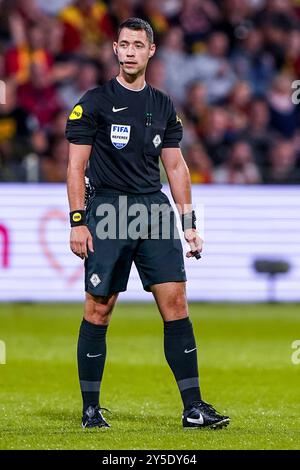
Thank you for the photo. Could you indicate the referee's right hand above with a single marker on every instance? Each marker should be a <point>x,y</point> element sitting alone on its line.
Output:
<point>80,241</point>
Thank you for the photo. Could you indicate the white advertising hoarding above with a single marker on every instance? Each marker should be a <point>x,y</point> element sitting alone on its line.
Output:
<point>239,225</point>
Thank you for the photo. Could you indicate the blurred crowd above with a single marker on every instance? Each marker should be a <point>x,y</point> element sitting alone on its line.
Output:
<point>228,66</point>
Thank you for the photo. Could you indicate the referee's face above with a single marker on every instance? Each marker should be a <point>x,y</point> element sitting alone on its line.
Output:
<point>134,50</point>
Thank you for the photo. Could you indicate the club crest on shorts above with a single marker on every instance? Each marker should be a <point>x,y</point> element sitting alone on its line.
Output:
<point>95,279</point>
<point>119,135</point>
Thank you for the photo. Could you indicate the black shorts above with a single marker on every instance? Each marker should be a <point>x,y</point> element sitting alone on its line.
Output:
<point>158,259</point>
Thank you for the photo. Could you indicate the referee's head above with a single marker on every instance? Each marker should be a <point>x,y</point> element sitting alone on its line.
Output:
<point>135,45</point>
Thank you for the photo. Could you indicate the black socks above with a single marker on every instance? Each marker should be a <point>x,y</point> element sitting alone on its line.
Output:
<point>181,355</point>
<point>180,352</point>
<point>91,354</point>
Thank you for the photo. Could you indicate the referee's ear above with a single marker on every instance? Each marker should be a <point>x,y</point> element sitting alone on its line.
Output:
<point>152,50</point>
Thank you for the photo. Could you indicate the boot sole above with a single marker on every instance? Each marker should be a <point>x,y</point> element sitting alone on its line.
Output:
<point>219,425</point>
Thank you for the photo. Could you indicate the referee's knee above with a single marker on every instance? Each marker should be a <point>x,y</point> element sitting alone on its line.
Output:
<point>98,309</point>
<point>174,308</point>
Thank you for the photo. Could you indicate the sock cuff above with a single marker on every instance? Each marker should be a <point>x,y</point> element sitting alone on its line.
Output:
<point>91,330</point>
<point>178,326</point>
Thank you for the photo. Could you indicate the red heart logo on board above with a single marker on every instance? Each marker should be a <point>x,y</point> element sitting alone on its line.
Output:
<point>53,259</point>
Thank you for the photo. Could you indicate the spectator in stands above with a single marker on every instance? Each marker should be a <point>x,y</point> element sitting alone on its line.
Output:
<point>196,106</point>
<point>190,136</point>
<point>239,168</point>
<point>86,23</point>
<point>178,69</point>
<point>213,68</point>
<point>54,167</point>
<point>105,57</point>
<point>282,164</point>
<point>235,20</point>
<point>16,126</point>
<point>38,96</point>
<point>156,74</point>
<point>54,133</point>
<point>199,163</point>
<point>151,11</point>
<point>283,111</point>
<point>258,132</point>
<point>276,21</point>
<point>197,20</point>
<point>238,107</point>
<point>28,49</point>
<point>87,78</point>
<point>252,63</point>
<point>120,10</point>
<point>58,125</point>
<point>215,134</point>
<point>28,10</point>
<point>292,58</point>
<point>52,8</point>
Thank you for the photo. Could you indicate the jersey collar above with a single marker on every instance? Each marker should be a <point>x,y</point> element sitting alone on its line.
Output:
<point>129,89</point>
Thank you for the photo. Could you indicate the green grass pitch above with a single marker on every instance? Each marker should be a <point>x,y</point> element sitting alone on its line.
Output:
<point>245,367</point>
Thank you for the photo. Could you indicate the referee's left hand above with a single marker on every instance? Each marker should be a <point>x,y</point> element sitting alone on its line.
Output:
<point>196,243</point>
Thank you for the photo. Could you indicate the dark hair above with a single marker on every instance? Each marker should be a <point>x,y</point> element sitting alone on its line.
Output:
<point>138,24</point>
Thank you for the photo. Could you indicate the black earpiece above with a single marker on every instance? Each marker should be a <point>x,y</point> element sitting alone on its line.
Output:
<point>116,52</point>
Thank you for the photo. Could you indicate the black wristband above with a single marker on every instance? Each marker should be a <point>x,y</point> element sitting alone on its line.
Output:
<point>77,218</point>
<point>188,220</point>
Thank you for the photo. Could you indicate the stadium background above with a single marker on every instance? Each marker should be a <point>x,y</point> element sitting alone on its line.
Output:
<point>229,67</point>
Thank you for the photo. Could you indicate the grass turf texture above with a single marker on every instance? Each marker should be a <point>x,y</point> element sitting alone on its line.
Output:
<point>245,370</point>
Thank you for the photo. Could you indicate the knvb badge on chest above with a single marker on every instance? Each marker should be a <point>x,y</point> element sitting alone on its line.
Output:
<point>119,135</point>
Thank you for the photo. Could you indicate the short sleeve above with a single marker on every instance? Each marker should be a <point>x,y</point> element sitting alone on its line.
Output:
<point>174,131</point>
<point>82,123</point>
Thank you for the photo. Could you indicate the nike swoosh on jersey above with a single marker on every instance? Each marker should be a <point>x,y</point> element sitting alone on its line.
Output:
<point>199,420</point>
<point>188,351</point>
<point>116,110</point>
<point>93,355</point>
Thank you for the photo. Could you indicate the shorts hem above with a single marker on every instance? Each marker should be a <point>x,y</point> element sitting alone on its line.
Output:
<point>162,281</point>
<point>106,293</point>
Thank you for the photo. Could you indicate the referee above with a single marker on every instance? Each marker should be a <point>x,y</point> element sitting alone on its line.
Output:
<point>117,133</point>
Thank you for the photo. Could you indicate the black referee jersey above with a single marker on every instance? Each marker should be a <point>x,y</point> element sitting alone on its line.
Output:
<point>127,130</point>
